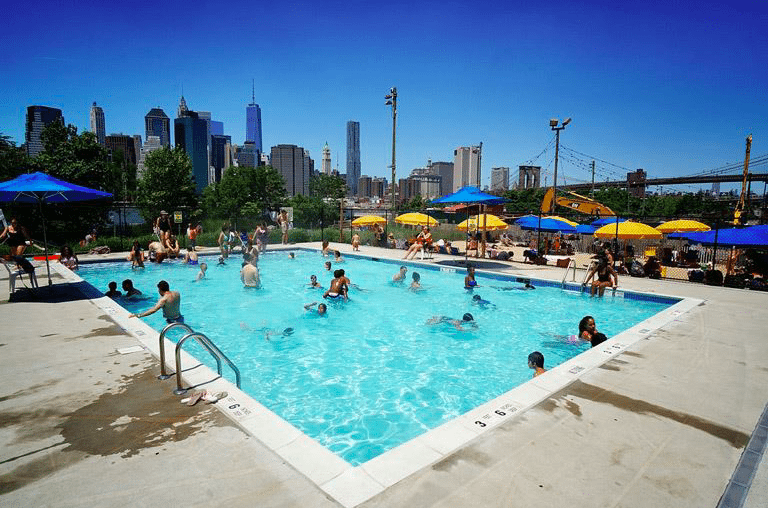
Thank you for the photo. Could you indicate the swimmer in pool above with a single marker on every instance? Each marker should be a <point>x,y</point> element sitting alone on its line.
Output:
<point>170,302</point>
<point>469,280</point>
<point>479,301</point>
<point>400,276</point>
<point>221,261</point>
<point>536,362</point>
<point>526,287</point>
<point>313,282</point>
<point>337,257</point>
<point>201,273</point>
<point>190,257</point>
<point>328,265</point>
<point>339,286</point>
<point>466,320</point>
<point>271,333</point>
<point>588,331</point>
<point>415,284</point>
<point>130,291</point>
<point>321,308</point>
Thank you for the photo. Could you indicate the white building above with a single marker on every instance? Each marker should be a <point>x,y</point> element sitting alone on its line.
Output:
<point>466,166</point>
<point>152,144</point>
<point>97,123</point>
<point>326,159</point>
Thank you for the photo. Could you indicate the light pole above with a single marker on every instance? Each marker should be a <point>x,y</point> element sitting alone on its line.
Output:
<point>391,98</point>
<point>553,125</point>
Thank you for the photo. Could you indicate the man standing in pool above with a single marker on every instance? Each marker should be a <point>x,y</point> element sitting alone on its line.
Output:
<point>170,302</point>
<point>249,273</point>
<point>339,286</point>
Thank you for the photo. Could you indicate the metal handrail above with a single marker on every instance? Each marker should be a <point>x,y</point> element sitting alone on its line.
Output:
<point>212,349</point>
<point>163,374</point>
<point>572,262</point>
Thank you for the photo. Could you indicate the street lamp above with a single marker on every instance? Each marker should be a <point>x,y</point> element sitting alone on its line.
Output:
<point>553,125</point>
<point>391,98</point>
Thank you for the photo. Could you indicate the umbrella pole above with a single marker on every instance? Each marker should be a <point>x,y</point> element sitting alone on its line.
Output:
<point>45,242</point>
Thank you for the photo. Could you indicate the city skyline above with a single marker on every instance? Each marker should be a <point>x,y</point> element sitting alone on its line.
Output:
<point>666,89</point>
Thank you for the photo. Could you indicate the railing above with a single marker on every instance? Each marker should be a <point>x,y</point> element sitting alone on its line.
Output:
<point>211,348</point>
<point>201,339</point>
<point>571,263</point>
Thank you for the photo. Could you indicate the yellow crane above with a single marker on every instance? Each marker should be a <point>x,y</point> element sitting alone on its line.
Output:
<point>740,205</point>
<point>575,202</point>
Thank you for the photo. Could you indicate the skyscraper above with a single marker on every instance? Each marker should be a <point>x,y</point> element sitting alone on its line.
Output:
<point>466,166</point>
<point>191,134</point>
<point>220,146</point>
<point>353,156</point>
<point>158,124</point>
<point>445,170</point>
<point>152,144</point>
<point>295,166</point>
<point>121,145</point>
<point>253,123</point>
<point>97,123</point>
<point>499,179</point>
<point>37,118</point>
<point>326,159</point>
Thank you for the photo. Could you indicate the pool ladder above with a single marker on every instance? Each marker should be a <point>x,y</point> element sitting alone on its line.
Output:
<point>201,339</point>
<point>571,263</point>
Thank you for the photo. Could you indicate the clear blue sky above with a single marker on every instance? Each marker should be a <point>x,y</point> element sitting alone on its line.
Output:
<point>672,87</point>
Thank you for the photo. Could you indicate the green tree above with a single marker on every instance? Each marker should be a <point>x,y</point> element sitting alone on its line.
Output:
<point>13,160</point>
<point>244,191</point>
<point>75,158</point>
<point>166,183</point>
<point>415,204</point>
<point>327,186</point>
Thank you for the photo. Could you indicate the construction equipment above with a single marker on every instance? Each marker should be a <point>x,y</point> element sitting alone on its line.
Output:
<point>737,220</point>
<point>575,202</point>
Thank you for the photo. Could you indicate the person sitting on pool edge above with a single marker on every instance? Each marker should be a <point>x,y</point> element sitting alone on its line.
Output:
<point>321,308</point>
<point>469,280</point>
<point>170,302</point>
<point>536,362</point>
<point>466,320</point>
<point>588,331</point>
<point>400,276</point>
<point>113,292</point>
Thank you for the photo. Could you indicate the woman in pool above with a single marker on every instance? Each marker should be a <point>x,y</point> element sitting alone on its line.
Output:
<point>416,283</point>
<point>68,258</point>
<point>588,331</point>
<point>466,320</point>
<point>136,256</point>
<point>469,280</point>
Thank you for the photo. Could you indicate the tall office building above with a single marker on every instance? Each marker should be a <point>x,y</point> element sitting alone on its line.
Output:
<point>353,156</point>
<point>137,145</point>
<point>220,160</point>
<point>121,145</point>
<point>152,144</point>
<point>191,134</point>
<point>379,187</point>
<point>37,118</point>
<point>466,166</point>
<point>206,116</point>
<point>295,166</point>
<point>253,123</point>
<point>364,187</point>
<point>217,128</point>
<point>529,177</point>
<point>326,159</point>
<point>445,171</point>
<point>499,179</point>
<point>157,123</point>
<point>97,123</point>
<point>247,155</point>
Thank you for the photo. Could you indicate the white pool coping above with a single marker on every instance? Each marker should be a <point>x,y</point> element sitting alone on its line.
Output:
<point>352,485</point>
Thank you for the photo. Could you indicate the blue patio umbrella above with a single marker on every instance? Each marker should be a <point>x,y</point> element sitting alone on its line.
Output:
<point>753,236</point>
<point>607,220</point>
<point>586,229</point>
<point>474,196</point>
<point>546,224</point>
<point>38,188</point>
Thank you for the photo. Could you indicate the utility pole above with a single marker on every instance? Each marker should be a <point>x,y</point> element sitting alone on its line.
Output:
<point>391,98</point>
<point>593,179</point>
<point>553,125</point>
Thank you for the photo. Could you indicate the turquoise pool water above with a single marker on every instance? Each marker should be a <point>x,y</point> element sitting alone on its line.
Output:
<point>372,374</point>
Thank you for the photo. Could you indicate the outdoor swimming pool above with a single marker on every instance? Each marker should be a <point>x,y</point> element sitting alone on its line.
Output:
<point>372,374</point>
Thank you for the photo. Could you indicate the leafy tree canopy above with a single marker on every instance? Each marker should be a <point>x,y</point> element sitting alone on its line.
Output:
<point>244,191</point>
<point>166,183</point>
<point>13,160</point>
<point>327,186</point>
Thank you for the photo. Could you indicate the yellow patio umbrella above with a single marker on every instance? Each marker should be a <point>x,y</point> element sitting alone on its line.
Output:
<point>368,220</point>
<point>557,217</point>
<point>675,226</point>
<point>416,219</point>
<point>629,231</point>
<point>490,222</point>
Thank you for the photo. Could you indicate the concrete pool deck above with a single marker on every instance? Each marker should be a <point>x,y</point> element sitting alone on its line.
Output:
<point>663,423</point>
